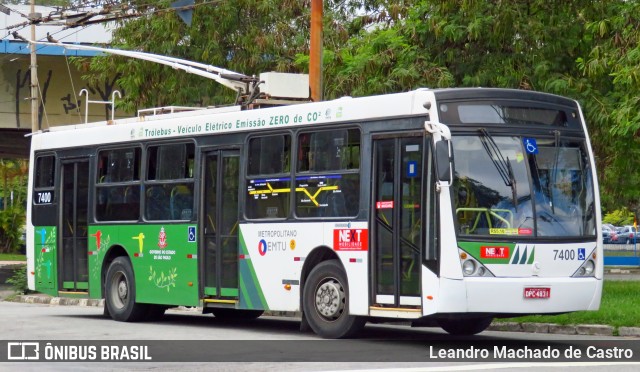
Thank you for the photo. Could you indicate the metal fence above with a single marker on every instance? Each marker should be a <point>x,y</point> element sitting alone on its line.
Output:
<point>622,254</point>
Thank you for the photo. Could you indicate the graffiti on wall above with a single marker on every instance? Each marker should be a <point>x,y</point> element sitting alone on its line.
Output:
<point>67,103</point>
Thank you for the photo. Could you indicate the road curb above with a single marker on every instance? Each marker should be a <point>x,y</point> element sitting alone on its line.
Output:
<point>579,329</point>
<point>549,328</point>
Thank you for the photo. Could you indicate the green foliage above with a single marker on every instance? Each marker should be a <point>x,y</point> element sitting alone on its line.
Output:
<point>19,280</point>
<point>12,221</point>
<point>619,217</point>
<point>582,49</point>
<point>13,175</point>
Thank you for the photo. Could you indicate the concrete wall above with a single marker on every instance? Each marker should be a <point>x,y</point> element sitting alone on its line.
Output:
<point>59,90</point>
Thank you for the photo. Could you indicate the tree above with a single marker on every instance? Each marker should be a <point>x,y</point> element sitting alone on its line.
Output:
<point>582,49</point>
<point>609,88</point>
<point>246,36</point>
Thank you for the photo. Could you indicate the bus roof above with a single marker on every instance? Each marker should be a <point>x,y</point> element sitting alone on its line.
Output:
<point>233,119</point>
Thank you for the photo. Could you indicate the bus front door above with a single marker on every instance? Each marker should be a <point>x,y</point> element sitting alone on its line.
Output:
<point>220,225</point>
<point>397,223</point>
<point>73,268</point>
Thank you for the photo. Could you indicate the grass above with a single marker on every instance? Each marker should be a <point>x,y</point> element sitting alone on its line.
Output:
<point>621,253</point>
<point>12,257</point>
<point>618,308</point>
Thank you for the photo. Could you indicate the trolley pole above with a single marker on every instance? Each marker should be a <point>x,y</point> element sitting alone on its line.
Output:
<point>315,51</point>
<point>34,71</point>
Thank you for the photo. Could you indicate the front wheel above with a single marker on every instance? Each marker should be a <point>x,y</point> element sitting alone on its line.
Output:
<point>465,326</point>
<point>326,302</point>
<point>120,292</point>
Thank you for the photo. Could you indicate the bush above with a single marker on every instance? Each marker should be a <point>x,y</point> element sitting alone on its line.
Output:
<point>19,280</point>
<point>12,221</point>
<point>619,217</point>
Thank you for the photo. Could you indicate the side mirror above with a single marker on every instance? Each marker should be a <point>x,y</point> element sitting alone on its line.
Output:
<point>443,161</point>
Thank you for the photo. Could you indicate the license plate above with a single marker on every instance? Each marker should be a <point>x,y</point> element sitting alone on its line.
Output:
<point>537,292</point>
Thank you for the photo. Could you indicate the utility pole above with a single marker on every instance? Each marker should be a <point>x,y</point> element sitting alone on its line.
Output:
<point>315,51</point>
<point>34,70</point>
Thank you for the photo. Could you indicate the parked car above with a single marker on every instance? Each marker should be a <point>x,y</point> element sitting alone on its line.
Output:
<point>627,234</point>
<point>609,234</point>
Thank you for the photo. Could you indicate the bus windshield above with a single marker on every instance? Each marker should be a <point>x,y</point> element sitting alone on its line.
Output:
<point>527,187</point>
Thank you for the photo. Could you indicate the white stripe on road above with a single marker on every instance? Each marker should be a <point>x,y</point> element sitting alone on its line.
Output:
<point>486,366</point>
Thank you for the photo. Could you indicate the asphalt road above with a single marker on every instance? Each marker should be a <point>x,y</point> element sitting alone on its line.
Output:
<point>276,344</point>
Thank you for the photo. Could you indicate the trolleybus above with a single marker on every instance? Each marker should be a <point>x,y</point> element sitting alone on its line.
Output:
<point>447,207</point>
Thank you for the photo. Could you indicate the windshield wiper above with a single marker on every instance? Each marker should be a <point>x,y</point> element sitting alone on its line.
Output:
<point>502,164</point>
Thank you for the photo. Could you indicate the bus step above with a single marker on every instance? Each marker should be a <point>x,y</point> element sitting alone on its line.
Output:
<point>219,301</point>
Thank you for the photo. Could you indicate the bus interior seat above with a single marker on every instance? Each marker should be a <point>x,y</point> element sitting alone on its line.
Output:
<point>156,204</point>
<point>181,203</point>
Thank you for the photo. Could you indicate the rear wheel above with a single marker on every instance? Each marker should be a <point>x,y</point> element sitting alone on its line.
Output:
<point>465,326</point>
<point>235,314</point>
<point>120,292</point>
<point>326,302</point>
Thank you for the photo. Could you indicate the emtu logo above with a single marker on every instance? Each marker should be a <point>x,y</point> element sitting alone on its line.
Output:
<point>262,247</point>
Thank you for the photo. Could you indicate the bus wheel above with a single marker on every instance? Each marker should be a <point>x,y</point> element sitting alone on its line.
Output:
<point>326,302</point>
<point>235,314</point>
<point>465,327</point>
<point>120,292</point>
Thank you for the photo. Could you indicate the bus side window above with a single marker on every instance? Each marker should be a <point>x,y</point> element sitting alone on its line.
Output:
<point>328,181</point>
<point>268,176</point>
<point>169,182</point>
<point>118,184</point>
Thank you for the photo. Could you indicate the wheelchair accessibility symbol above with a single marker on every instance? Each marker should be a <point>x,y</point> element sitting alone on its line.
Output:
<point>192,234</point>
<point>582,254</point>
<point>530,145</point>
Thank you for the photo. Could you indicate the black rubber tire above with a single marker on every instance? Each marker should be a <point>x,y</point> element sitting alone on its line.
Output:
<point>120,292</point>
<point>328,282</point>
<point>465,326</point>
<point>236,314</point>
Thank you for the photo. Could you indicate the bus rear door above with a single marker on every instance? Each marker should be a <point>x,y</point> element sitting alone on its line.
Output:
<point>73,256</point>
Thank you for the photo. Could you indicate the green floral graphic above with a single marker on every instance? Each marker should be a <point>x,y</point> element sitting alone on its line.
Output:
<point>97,262</point>
<point>161,280</point>
<point>49,243</point>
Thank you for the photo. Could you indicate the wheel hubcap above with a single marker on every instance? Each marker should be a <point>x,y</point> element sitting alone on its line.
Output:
<point>330,299</point>
<point>119,290</point>
<point>122,290</point>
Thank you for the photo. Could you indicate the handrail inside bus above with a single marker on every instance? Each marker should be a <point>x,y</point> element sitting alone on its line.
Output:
<point>488,212</point>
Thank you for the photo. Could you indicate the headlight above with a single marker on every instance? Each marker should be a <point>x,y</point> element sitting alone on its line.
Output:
<point>589,266</point>
<point>471,266</point>
<point>587,269</point>
<point>468,267</point>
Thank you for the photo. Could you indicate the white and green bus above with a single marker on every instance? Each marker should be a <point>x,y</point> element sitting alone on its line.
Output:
<point>447,207</point>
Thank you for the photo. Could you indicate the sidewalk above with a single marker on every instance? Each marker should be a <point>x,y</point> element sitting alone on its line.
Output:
<point>581,329</point>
